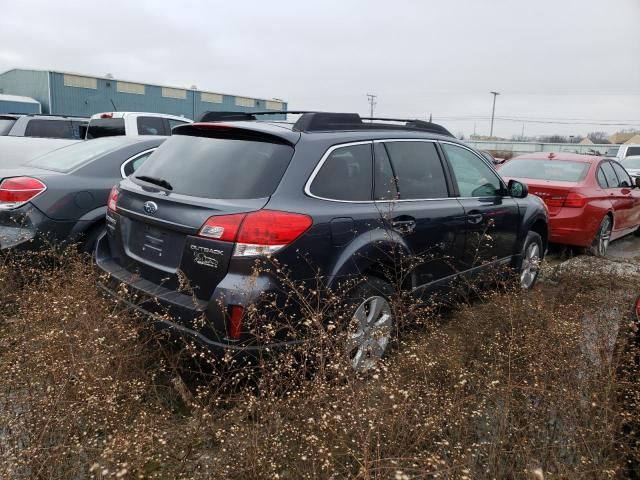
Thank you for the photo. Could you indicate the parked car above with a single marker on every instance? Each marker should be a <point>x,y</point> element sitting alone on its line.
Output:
<point>63,195</point>
<point>329,192</point>
<point>592,200</point>
<point>109,124</point>
<point>623,151</point>
<point>15,151</point>
<point>632,165</point>
<point>43,126</point>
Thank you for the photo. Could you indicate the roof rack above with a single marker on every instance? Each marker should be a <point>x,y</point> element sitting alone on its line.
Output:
<point>312,121</point>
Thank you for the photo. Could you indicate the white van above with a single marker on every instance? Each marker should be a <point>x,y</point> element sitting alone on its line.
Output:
<point>110,124</point>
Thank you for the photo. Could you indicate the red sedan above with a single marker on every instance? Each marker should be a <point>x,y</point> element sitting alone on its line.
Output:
<point>591,200</point>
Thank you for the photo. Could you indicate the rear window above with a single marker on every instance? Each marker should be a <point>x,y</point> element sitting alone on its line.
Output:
<point>559,170</point>
<point>218,168</point>
<point>5,125</point>
<point>632,151</point>
<point>49,129</point>
<point>69,158</point>
<point>151,126</point>
<point>105,127</point>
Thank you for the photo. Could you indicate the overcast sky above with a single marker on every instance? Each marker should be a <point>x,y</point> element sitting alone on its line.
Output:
<point>572,61</point>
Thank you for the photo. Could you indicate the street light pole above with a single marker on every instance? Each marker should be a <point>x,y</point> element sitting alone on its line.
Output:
<point>493,111</point>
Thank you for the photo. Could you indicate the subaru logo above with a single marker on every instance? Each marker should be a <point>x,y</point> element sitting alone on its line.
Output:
<point>150,207</point>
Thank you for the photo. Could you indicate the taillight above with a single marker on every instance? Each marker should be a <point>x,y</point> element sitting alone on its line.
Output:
<point>107,115</point>
<point>554,201</point>
<point>257,233</point>
<point>112,203</point>
<point>574,200</point>
<point>571,200</point>
<point>17,191</point>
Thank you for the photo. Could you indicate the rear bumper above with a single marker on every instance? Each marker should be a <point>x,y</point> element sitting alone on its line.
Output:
<point>574,226</point>
<point>202,321</point>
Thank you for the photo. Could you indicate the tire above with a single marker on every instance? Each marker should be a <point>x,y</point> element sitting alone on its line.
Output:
<point>532,254</point>
<point>90,237</point>
<point>371,325</point>
<point>600,243</point>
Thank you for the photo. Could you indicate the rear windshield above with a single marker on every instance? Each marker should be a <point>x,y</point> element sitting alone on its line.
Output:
<point>218,168</point>
<point>105,127</point>
<point>632,151</point>
<point>49,128</point>
<point>5,125</point>
<point>69,158</point>
<point>559,170</point>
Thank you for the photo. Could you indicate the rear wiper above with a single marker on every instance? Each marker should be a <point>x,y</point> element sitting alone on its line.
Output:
<point>156,181</point>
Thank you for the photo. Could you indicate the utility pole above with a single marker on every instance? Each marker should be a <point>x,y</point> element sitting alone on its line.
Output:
<point>372,102</point>
<point>493,111</point>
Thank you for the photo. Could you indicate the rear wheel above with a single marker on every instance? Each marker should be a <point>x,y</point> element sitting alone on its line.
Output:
<point>531,257</point>
<point>372,323</point>
<point>603,236</point>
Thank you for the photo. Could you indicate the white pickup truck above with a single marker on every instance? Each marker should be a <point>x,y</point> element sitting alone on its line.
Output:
<point>624,151</point>
<point>109,124</point>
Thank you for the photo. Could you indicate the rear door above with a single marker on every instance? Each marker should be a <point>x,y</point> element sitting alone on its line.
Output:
<point>628,198</point>
<point>412,191</point>
<point>492,219</point>
<point>155,230</point>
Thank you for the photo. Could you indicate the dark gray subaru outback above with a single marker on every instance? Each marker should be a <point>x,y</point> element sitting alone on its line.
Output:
<point>330,193</point>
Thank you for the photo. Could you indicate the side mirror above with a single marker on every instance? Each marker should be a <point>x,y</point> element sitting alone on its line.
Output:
<point>517,189</point>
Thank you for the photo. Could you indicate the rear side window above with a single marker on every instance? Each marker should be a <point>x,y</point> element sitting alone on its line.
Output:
<point>346,175</point>
<point>610,175</point>
<point>151,126</point>
<point>218,168</point>
<point>134,163</point>
<point>623,176</point>
<point>632,151</point>
<point>105,127</point>
<point>417,169</point>
<point>49,129</point>
<point>385,187</point>
<point>474,177</point>
<point>602,180</point>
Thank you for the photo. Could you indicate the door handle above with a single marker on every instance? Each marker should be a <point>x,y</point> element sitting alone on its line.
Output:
<point>404,224</point>
<point>475,218</point>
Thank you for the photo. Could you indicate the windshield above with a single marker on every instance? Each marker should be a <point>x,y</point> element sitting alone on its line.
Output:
<point>105,127</point>
<point>559,170</point>
<point>217,168</point>
<point>632,162</point>
<point>69,158</point>
<point>5,125</point>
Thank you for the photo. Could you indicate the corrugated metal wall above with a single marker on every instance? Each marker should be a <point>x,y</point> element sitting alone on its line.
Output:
<point>68,100</point>
<point>27,83</point>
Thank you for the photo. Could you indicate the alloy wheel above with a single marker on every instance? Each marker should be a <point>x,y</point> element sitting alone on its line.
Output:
<point>370,333</point>
<point>530,266</point>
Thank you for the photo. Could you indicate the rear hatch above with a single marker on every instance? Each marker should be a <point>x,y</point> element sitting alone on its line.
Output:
<point>164,212</point>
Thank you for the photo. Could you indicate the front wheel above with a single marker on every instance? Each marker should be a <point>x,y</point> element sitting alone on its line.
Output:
<point>601,241</point>
<point>531,257</point>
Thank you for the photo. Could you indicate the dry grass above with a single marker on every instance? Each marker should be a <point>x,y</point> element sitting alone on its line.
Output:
<point>514,386</point>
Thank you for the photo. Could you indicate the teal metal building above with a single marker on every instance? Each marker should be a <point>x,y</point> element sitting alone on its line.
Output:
<point>62,93</point>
